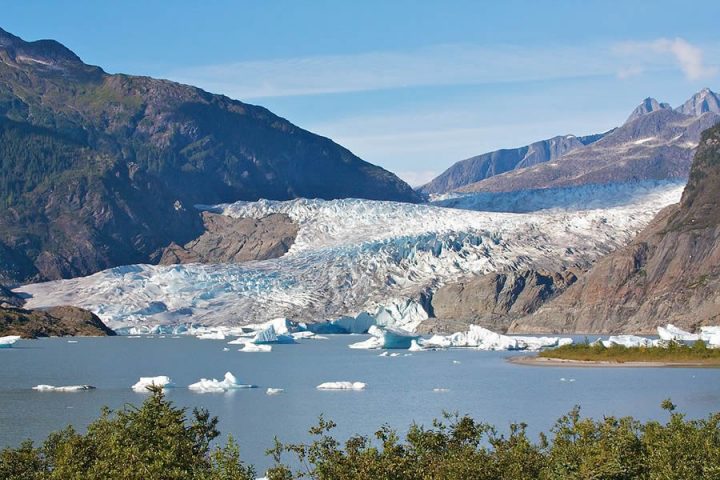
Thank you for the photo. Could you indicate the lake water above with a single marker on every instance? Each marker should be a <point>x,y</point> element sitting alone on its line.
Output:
<point>399,391</point>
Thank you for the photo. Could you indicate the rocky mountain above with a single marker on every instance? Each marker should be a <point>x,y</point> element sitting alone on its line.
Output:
<point>669,274</point>
<point>647,106</point>
<point>484,166</point>
<point>53,322</point>
<point>702,102</point>
<point>98,170</point>
<point>656,142</point>
<point>495,299</point>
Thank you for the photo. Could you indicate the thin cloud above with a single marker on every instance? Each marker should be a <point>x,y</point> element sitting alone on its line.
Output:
<point>444,65</point>
<point>687,57</point>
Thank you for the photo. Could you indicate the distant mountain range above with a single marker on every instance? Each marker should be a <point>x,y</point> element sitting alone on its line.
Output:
<point>99,170</point>
<point>656,142</point>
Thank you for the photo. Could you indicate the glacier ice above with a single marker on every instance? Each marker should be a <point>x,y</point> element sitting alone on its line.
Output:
<point>145,382</point>
<point>360,261</point>
<point>229,382</point>
<point>274,391</point>
<point>268,335</point>
<point>66,388</point>
<point>415,346</point>
<point>342,386</point>
<point>8,341</point>
<point>211,336</point>
<point>629,341</point>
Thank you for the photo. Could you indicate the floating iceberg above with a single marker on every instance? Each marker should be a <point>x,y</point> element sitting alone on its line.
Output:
<point>253,348</point>
<point>218,386</point>
<point>145,382</point>
<point>415,346</point>
<point>440,390</point>
<point>269,335</point>
<point>274,391</point>
<point>342,386</point>
<point>629,341</point>
<point>390,338</point>
<point>68,388</point>
<point>211,336</point>
<point>483,339</point>
<point>7,342</point>
<point>672,333</point>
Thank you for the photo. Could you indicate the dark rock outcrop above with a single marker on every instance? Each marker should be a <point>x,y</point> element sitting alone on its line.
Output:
<point>232,240</point>
<point>100,170</point>
<point>9,299</point>
<point>53,322</point>
<point>669,274</point>
<point>494,300</point>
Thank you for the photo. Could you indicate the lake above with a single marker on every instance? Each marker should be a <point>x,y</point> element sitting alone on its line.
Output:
<point>400,390</point>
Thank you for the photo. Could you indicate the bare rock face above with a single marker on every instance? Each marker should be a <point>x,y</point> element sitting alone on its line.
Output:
<point>9,299</point>
<point>669,274</point>
<point>494,300</point>
<point>232,240</point>
<point>53,322</point>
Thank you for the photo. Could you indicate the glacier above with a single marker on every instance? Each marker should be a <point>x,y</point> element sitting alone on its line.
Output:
<point>357,263</point>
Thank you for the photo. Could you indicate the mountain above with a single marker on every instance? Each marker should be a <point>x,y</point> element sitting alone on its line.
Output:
<point>99,170</point>
<point>489,164</point>
<point>648,105</point>
<point>704,101</point>
<point>53,322</point>
<point>656,142</point>
<point>669,274</point>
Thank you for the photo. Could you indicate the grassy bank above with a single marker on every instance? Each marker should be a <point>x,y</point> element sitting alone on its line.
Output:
<point>673,353</point>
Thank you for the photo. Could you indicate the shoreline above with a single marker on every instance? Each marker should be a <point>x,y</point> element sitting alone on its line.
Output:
<point>536,361</point>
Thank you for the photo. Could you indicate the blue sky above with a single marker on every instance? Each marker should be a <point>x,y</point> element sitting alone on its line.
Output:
<point>410,85</point>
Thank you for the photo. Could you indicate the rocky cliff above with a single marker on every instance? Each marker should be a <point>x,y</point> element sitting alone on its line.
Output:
<point>233,240</point>
<point>669,274</point>
<point>53,322</point>
<point>99,170</point>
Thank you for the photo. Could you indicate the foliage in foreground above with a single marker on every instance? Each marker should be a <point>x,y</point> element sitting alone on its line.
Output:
<point>672,352</point>
<point>158,441</point>
<point>155,441</point>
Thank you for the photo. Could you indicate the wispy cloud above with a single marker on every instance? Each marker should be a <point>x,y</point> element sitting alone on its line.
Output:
<point>687,57</point>
<point>443,65</point>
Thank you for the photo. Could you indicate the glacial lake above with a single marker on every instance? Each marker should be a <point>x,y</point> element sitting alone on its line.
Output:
<point>400,390</point>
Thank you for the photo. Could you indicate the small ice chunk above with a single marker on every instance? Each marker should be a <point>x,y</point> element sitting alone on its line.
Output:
<point>342,386</point>
<point>274,391</point>
<point>211,336</point>
<point>440,390</point>
<point>384,354</point>
<point>145,382</point>
<point>225,349</point>
<point>67,388</point>
<point>456,362</point>
<point>72,341</point>
<point>252,348</point>
<point>8,341</point>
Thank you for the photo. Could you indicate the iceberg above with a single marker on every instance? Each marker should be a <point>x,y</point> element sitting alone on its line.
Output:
<point>67,388</point>
<point>629,341</point>
<point>481,338</point>
<point>342,386</point>
<point>8,341</point>
<point>253,348</point>
<point>391,338</point>
<point>145,382</point>
<point>672,333</point>
<point>211,336</point>
<point>415,346</point>
<point>274,391</point>
<point>343,325</point>
<point>269,335</point>
<point>229,382</point>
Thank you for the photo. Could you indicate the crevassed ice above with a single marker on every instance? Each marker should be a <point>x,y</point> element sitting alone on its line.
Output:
<point>353,256</point>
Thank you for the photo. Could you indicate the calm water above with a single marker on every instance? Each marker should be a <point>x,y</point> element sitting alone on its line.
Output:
<point>400,389</point>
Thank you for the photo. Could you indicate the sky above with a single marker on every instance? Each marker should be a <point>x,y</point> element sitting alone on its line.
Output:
<point>413,86</point>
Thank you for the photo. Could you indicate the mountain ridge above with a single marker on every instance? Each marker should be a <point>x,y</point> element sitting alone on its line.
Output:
<point>99,170</point>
